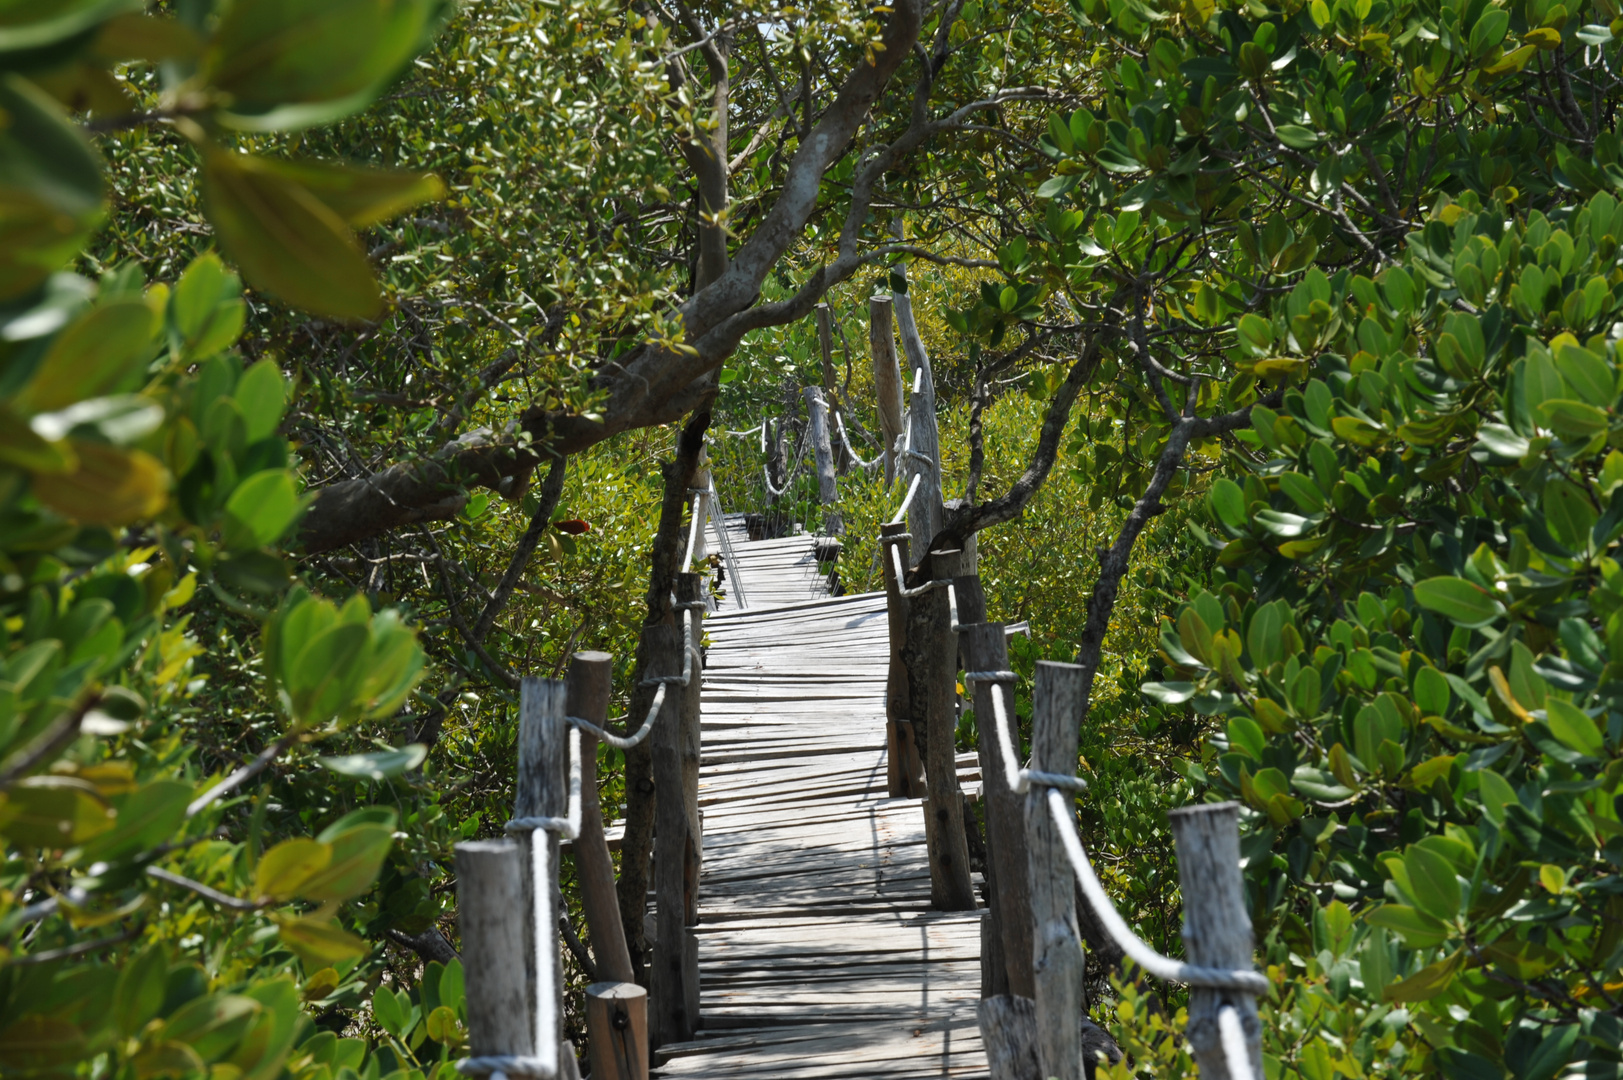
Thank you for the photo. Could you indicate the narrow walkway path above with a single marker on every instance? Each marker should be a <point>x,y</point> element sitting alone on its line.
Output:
<point>819,956</point>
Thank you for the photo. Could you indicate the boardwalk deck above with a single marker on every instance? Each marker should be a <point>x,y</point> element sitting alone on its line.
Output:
<point>819,956</point>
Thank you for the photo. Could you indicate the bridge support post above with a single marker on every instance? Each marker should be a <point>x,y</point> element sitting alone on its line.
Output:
<point>674,977</point>
<point>823,451</point>
<point>617,1017</point>
<point>887,378</point>
<point>931,656</point>
<point>1008,870</point>
<point>1057,960</point>
<point>1216,930</point>
<point>904,770</point>
<point>542,790</point>
<point>491,917</point>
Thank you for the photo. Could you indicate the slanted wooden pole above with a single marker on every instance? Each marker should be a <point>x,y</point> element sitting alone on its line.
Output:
<point>827,488</point>
<point>674,976</point>
<point>1005,809</point>
<point>589,682</point>
<point>1058,962</point>
<point>1216,929</point>
<point>1006,1024</point>
<point>617,1018</point>
<point>904,769</point>
<point>542,790</point>
<point>887,378</point>
<point>924,517</point>
<point>492,916</point>
<point>931,656</point>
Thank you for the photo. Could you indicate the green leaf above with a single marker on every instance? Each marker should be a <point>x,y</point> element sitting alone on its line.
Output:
<point>360,842</point>
<point>283,870</point>
<point>50,182</point>
<point>140,990</point>
<point>386,1009</point>
<point>262,396</point>
<point>1459,600</point>
<point>1431,691</point>
<point>147,817</point>
<point>1228,503</point>
<point>321,942</point>
<point>286,240</point>
<point>1587,374</point>
<point>1575,420</point>
<point>360,196</point>
<point>31,24</point>
<point>292,63</point>
<point>1432,883</point>
<point>382,765</point>
<point>263,507</point>
<point>1302,491</point>
<point>1502,441</point>
<point>1418,930</point>
<point>1297,137</point>
<point>1568,513</point>
<point>53,812</point>
<point>1573,727</point>
<point>206,310</point>
<point>1428,982</point>
<point>102,352</point>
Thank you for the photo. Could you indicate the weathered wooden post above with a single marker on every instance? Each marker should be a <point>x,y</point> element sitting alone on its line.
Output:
<point>931,656</point>
<point>827,489</point>
<point>924,441</point>
<point>1058,962</point>
<point>887,378</point>
<point>1006,849</point>
<point>492,916</point>
<point>620,1011</point>
<point>542,790</point>
<point>1216,931</point>
<point>904,770</point>
<point>616,1007</point>
<point>843,457</point>
<point>674,976</point>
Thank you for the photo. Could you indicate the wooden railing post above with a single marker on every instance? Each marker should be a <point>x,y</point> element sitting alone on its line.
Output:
<point>823,451</point>
<point>904,769</point>
<point>1216,929</point>
<point>492,916</point>
<point>931,656</point>
<point>1058,963</point>
<point>616,1008</point>
<point>1005,810</point>
<point>542,790</point>
<point>887,378</point>
<point>674,977</point>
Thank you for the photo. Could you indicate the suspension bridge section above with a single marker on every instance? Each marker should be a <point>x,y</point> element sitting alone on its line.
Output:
<point>819,954</point>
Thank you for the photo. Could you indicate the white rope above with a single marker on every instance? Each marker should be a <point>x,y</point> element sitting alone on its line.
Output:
<point>800,461</point>
<point>1162,967</point>
<point>1019,780</point>
<point>912,489</point>
<point>890,543</point>
<point>846,439</point>
<point>727,554</point>
<point>700,499</point>
<point>1234,1048</point>
<point>624,742</point>
<point>567,827</point>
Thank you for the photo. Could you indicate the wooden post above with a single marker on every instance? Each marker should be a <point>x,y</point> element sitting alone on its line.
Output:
<point>1004,808</point>
<point>931,655</point>
<point>1006,1024</point>
<point>542,790</point>
<point>887,378</point>
<point>925,515</point>
<point>674,976</point>
<point>904,770</point>
<point>617,1017</point>
<point>827,489</point>
<point>590,678</point>
<point>1216,928</point>
<point>1057,959</point>
<point>843,459</point>
<point>492,914</point>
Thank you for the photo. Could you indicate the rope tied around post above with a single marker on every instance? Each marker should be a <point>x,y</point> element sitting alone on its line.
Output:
<point>890,543</point>
<point>502,1066</point>
<point>1019,780</point>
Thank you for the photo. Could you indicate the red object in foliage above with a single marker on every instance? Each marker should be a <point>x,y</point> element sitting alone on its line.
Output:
<point>572,526</point>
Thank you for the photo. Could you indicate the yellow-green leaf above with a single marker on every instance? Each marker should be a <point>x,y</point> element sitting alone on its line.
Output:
<point>361,196</point>
<point>110,486</point>
<point>320,942</point>
<point>286,867</point>
<point>102,352</point>
<point>287,241</point>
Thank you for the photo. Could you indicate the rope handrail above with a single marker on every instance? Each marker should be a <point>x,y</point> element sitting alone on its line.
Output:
<point>701,497</point>
<point>800,461</point>
<point>912,490</point>
<point>1162,967</point>
<point>1019,780</point>
<point>727,546</point>
<point>1232,1033</point>
<point>846,440</point>
<point>890,543</point>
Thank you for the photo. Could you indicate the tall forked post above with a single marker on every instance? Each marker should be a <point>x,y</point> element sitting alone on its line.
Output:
<point>887,378</point>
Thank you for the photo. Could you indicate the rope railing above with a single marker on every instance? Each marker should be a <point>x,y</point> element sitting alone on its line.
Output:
<point>907,501</point>
<point>1019,779</point>
<point>700,500</point>
<point>727,554</point>
<point>1231,1032</point>
<point>890,543</point>
<point>839,423</point>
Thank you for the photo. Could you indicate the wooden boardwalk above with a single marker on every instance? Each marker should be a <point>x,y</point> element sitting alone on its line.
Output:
<point>819,956</point>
